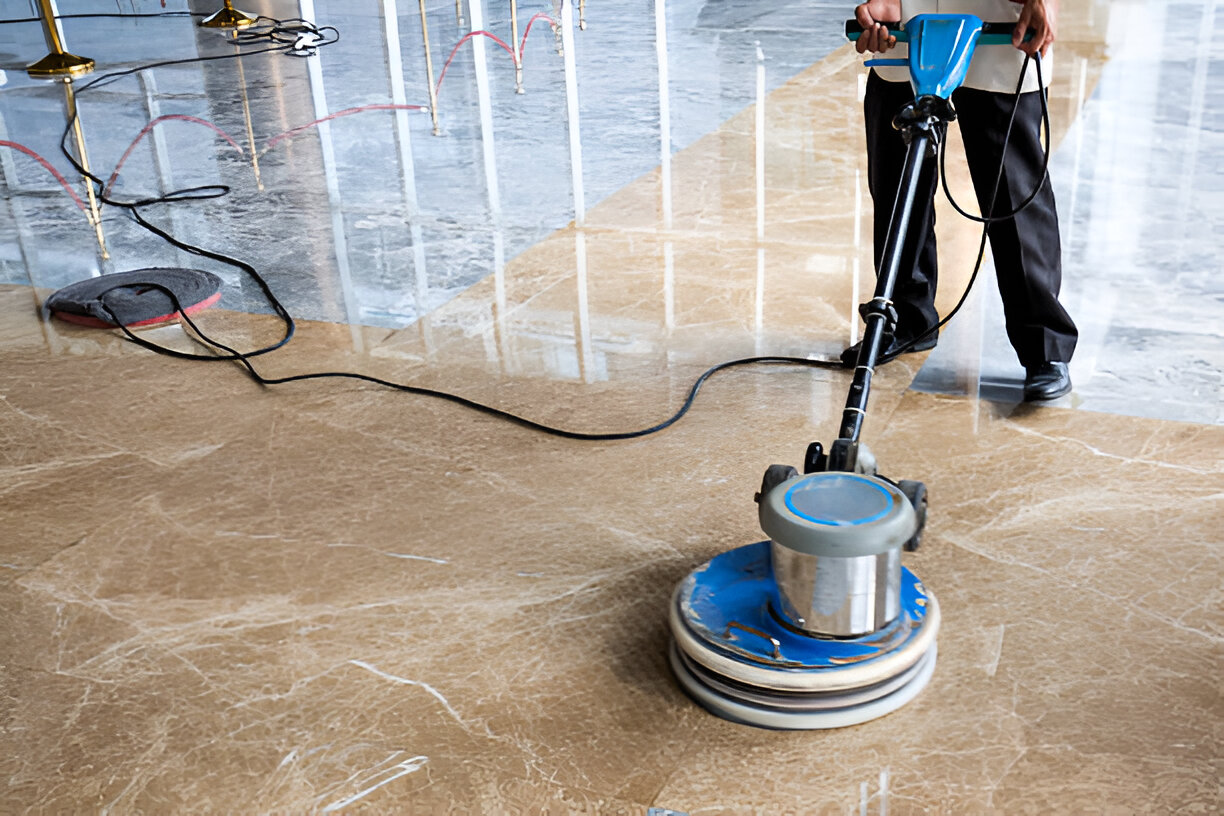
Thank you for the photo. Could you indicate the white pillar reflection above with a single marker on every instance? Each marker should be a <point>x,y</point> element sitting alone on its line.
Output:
<point>8,169</point>
<point>571,108</point>
<point>314,72</point>
<point>481,64</point>
<point>665,192</point>
<point>586,354</point>
<point>759,311</point>
<point>1081,90</point>
<point>488,151</point>
<point>669,286</point>
<point>758,319</point>
<point>1194,128</point>
<point>21,228</point>
<point>161,157</point>
<point>665,166</point>
<point>856,263</point>
<point>760,142</point>
<point>403,139</point>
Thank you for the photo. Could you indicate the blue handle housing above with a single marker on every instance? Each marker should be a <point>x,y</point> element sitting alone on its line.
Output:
<point>940,49</point>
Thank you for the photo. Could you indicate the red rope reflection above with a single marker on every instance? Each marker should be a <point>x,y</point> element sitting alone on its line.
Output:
<point>167,117</point>
<point>291,133</point>
<point>49,168</point>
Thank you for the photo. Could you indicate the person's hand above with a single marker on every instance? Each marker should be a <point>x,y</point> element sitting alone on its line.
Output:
<point>1040,15</point>
<point>875,37</point>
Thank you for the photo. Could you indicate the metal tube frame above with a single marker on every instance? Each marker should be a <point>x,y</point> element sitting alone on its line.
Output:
<point>921,126</point>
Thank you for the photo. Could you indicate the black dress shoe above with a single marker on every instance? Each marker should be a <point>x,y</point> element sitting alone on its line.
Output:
<point>849,357</point>
<point>1046,382</point>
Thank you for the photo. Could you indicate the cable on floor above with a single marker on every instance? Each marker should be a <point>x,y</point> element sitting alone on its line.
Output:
<point>297,37</point>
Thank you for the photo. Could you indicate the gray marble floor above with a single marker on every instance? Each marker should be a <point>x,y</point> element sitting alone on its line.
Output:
<point>372,219</point>
<point>498,178</point>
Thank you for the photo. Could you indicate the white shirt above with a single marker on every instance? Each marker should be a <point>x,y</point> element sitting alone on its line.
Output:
<point>994,67</point>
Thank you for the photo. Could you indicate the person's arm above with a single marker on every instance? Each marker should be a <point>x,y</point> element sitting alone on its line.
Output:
<point>1040,15</point>
<point>876,37</point>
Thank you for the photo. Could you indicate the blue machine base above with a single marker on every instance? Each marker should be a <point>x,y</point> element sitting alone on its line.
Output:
<point>737,659</point>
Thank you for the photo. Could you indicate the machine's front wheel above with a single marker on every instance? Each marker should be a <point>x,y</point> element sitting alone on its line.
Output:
<point>774,476</point>
<point>916,492</point>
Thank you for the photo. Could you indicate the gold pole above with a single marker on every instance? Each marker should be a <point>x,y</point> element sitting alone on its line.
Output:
<point>58,63</point>
<point>228,17</point>
<point>246,113</point>
<point>514,44</point>
<point>459,13</point>
<point>95,212</point>
<point>582,15</point>
<point>429,73</point>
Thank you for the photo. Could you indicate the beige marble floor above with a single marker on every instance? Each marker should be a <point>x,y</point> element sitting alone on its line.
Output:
<point>326,596</point>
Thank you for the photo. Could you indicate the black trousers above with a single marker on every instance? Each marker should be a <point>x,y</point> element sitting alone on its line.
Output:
<point>1027,251</point>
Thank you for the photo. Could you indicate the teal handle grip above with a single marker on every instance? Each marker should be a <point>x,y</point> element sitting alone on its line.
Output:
<point>992,33</point>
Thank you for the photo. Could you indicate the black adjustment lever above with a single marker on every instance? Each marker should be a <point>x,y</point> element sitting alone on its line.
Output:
<point>815,461</point>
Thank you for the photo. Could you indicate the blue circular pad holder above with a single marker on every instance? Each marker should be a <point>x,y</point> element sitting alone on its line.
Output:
<point>739,660</point>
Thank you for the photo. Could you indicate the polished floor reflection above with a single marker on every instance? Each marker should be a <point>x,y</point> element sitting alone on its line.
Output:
<point>327,596</point>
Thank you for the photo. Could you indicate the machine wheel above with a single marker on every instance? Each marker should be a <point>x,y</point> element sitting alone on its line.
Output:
<point>774,476</point>
<point>916,492</point>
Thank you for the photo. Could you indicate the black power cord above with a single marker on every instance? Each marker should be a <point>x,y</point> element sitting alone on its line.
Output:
<point>113,14</point>
<point>298,37</point>
<point>295,37</point>
<point>243,359</point>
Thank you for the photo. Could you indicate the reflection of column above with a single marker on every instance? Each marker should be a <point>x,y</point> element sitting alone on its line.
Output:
<point>669,286</point>
<point>1078,103</point>
<point>664,113</point>
<point>855,122</point>
<point>246,115</point>
<point>161,154</point>
<point>429,72</point>
<point>760,143</point>
<point>514,44</point>
<point>1194,128</point>
<point>571,107</point>
<point>314,70</point>
<point>481,60</point>
<point>586,353</point>
<point>8,172</point>
<point>759,314</point>
<point>665,168</point>
<point>403,138</point>
<point>856,265</point>
<point>78,134</point>
<point>488,151</point>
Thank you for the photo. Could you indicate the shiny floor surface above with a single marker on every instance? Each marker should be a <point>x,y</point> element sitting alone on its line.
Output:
<point>327,596</point>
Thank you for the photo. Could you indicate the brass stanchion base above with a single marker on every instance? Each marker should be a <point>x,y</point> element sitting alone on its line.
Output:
<point>228,17</point>
<point>61,64</point>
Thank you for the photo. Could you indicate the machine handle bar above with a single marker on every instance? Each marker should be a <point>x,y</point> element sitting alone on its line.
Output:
<point>992,33</point>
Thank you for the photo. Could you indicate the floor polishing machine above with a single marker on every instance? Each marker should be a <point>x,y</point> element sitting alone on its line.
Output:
<point>821,626</point>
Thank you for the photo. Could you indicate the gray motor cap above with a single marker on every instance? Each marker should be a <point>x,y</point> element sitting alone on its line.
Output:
<point>838,515</point>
